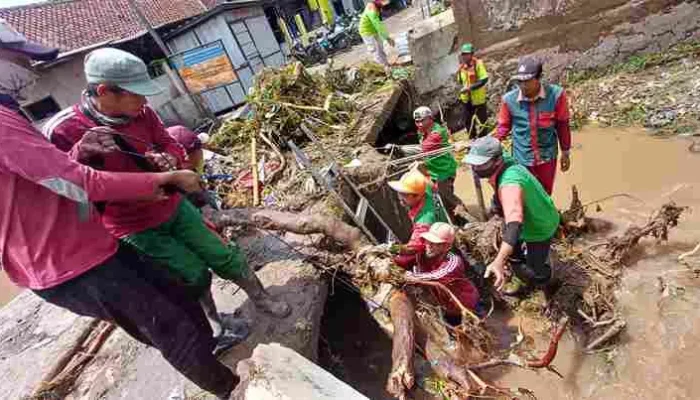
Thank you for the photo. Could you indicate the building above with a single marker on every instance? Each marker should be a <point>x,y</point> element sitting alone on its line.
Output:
<point>248,40</point>
<point>77,27</point>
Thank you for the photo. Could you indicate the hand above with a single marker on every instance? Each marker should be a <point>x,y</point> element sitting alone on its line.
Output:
<point>97,141</point>
<point>184,179</point>
<point>391,42</point>
<point>162,161</point>
<point>498,269</point>
<point>565,162</point>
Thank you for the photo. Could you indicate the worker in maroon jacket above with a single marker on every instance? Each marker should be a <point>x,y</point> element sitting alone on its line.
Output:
<point>171,231</point>
<point>51,244</point>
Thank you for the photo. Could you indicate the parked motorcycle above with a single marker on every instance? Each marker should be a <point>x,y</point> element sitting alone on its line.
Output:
<point>335,40</point>
<point>310,55</point>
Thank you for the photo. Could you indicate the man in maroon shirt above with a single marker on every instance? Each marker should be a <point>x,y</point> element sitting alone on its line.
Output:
<point>135,140</point>
<point>50,244</point>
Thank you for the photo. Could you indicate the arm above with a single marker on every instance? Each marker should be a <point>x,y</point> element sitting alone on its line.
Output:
<point>406,257</point>
<point>24,152</point>
<point>378,24</point>
<point>479,83</point>
<point>561,113</point>
<point>512,202</point>
<point>481,75</point>
<point>505,122</point>
<point>163,141</point>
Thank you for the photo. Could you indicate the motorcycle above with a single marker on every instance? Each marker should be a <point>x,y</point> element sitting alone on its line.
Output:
<point>334,40</point>
<point>310,55</point>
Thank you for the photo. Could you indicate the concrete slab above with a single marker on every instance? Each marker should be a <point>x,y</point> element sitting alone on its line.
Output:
<point>275,372</point>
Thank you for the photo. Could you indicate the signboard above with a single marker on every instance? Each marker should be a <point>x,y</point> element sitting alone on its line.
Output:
<point>205,67</point>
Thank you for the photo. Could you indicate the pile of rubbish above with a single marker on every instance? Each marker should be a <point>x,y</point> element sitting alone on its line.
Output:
<point>282,99</point>
<point>659,92</point>
<point>287,104</point>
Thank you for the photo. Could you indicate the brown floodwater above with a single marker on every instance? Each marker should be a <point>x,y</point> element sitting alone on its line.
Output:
<point>658,353</point>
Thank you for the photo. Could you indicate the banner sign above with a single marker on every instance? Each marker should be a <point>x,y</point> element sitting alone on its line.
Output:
<point>205,67</point>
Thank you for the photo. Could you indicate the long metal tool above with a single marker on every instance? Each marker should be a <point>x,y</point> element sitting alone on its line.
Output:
<point>364,205</point>
<point>303,159</point>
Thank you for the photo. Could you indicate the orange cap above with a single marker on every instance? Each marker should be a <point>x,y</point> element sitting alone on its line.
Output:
<point>412,182</point>
<point>440,232</point>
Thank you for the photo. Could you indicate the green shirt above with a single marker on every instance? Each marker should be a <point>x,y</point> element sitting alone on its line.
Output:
<point>443,166</point>
<point>540,215</point>
<point>429,212</point>
<point>371,25</point>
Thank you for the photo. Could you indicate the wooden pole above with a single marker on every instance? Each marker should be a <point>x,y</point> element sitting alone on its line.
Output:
<point>254,165</point>
<point>479,196</point>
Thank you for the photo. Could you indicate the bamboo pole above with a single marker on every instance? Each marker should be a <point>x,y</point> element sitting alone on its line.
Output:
<point>254,165</point>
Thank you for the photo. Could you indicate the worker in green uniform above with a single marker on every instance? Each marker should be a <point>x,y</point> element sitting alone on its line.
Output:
<point>529,214</point>
<point>442,167</point>
<point>472,78</point>
<point>373,31</point>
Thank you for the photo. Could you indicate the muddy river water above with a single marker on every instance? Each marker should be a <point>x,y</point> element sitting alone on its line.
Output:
<point>660,351</point>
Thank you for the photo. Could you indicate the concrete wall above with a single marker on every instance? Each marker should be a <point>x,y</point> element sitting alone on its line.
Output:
<point>64,82</point>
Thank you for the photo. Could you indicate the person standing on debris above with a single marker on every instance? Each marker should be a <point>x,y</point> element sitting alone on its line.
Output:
<point>50,244</point>
<point>441,167</point>
<point>437,262</point>
<point>529,213</point>
<point>472,78</point>
<point>537,116</point>
<point>171,231</point>
<point>373,31</point>
<point>416,193</point>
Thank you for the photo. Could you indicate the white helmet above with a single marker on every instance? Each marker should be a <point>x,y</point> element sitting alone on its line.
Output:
<point>422,112</point>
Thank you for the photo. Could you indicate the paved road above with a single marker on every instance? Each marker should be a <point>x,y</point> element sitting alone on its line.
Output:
<point>397,23</point>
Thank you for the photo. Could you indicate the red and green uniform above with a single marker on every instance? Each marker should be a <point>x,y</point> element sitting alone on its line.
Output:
<point>423,215</point>
<point>524,200</point>
<point>443,166</point>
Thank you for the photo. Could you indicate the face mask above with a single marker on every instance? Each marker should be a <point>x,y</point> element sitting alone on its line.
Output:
<point>15,80</point>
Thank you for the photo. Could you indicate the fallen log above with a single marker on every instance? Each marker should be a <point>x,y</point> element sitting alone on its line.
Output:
<point>304,224</point>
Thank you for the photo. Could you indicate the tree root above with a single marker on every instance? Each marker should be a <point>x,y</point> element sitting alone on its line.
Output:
<point>305,224</point>
<point>611,332</point>
<point>60,381</point>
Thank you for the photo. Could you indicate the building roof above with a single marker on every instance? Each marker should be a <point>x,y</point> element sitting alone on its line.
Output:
<point>80,24</point>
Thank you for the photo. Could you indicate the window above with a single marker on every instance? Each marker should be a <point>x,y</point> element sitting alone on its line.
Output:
<point>41,109</point>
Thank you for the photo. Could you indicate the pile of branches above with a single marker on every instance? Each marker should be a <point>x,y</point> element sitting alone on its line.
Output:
<point>587,276</point>
<point>284,98</point>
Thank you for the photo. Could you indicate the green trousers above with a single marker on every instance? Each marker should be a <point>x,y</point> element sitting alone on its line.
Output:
<point>189,248</point>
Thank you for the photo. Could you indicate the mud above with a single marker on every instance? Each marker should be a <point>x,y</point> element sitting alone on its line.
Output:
<point>659,298</point>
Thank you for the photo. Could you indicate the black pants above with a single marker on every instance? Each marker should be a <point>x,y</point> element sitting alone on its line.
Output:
<point>446,188</point>
<point>532,268</point>
<point>142,299</point>
<point>481,113</point>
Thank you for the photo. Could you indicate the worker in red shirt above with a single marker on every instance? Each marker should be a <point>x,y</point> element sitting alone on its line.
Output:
<point>536,115</point>
<point>437,262</point>
<point>51,244</point>
<point>172,231</point>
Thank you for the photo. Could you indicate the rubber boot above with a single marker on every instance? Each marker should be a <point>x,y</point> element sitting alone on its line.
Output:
<point>528,280</point>
<point>259,296</point>
<point>228,332</point>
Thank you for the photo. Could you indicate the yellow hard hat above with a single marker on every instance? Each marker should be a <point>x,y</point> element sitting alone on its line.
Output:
<point>412,182</point>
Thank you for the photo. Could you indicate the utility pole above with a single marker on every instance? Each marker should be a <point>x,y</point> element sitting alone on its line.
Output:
<point>175,76</point>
